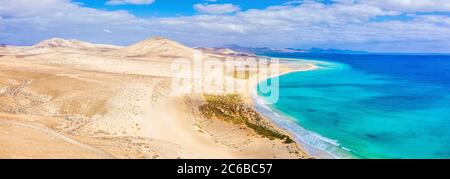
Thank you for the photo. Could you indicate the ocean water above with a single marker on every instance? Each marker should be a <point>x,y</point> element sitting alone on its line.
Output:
<point>369,106</point>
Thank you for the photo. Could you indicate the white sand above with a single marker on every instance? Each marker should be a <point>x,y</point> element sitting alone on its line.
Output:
<point>71,99</point>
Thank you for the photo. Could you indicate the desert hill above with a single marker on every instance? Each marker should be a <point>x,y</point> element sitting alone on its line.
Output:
<point>153,56</point>
<point>64,45</point>
<point>72,43</point>
<point>72,99</point>
<point>156,47</point>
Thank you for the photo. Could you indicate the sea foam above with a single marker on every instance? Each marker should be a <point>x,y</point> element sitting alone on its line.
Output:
<point>314,144</point>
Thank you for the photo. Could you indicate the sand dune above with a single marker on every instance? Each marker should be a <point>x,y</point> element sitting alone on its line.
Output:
<point>73,43</point>
<point>72,99</point>
<point>156,47</point>
<point>56,45</point>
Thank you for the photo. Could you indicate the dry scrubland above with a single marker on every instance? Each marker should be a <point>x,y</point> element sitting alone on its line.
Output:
<point>72,99</point>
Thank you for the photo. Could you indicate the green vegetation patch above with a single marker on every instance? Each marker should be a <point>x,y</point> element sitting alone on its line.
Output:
<point>231,108</point>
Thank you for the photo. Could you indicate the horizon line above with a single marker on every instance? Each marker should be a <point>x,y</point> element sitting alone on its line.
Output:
<point>362,52</point>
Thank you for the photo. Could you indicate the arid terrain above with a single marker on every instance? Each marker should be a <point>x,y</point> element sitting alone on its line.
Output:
<point>71,99</point>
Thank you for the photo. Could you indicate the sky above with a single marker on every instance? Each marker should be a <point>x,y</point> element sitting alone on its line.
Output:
<point>409,26</point>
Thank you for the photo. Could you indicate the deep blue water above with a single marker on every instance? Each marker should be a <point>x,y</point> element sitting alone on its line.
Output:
<point>373,106</point>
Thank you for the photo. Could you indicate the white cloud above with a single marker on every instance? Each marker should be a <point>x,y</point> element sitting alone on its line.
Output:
<point>107,31</point>
<point>344,24</point>
<point>293,2</point>
<point>216,8</point>
<point>29,21</point>
<point>134,2</point>
<point>406,5</point>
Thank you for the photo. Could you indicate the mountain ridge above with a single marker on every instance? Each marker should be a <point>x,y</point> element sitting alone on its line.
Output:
<point>70,43</point>
<point>256,50</point>
<point>156,46</point>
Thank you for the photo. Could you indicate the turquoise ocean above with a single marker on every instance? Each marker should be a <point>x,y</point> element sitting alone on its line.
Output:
<point>366,106</point>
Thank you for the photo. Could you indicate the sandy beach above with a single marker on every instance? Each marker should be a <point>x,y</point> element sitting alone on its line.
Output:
<point>71,99</point>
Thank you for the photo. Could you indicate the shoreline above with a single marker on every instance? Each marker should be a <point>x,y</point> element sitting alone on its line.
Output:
<point>114,118</point>
<point>285,124</point>
<point>111,91</point>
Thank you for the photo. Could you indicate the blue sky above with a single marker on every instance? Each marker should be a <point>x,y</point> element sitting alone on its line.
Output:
<point>421,26</point>
<point>167,8</point>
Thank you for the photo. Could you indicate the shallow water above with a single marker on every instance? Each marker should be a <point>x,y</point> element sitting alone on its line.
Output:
<point>372,106</point>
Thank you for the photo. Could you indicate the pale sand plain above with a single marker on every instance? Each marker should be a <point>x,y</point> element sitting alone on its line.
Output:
<point>71,99</point>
